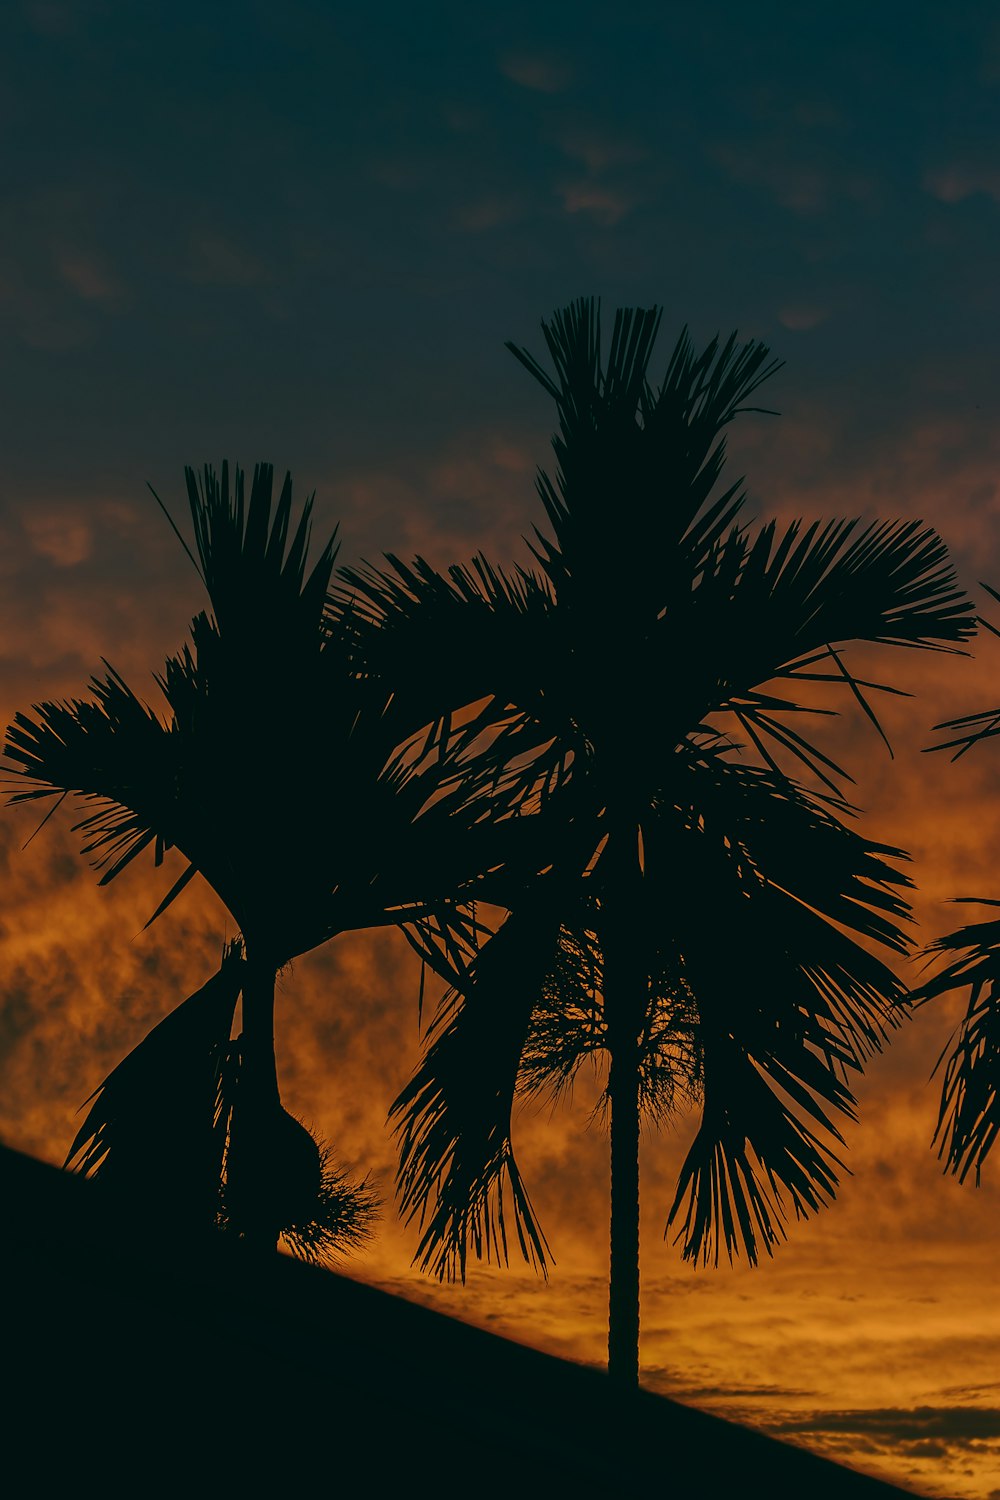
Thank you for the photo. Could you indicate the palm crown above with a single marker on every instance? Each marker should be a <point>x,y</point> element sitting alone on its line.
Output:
<point>281,773</point>
<point>290,782</point>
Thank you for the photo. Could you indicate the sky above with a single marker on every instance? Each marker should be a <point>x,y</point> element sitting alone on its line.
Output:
<point>303,234</point>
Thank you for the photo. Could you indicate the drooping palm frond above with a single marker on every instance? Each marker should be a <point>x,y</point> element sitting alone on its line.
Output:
<point>776,832</point>
<point>157,1124</point>
<point>458,1176</point>
<point>731,1185</point>
<point>789,1001</point>
<point>969,1113</point>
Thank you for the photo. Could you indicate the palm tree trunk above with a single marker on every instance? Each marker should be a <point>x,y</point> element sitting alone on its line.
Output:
<point>625,988</point>
<point>623,1292</point>
<point>259,1070</point>
<point>258,1107</point>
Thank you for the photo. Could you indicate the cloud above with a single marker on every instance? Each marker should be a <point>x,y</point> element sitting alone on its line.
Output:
<point>220,261</point>
<point>954,1425</point>
<point>474,493</point>
<point>710,1394</point>
<point>795,172</point>
<point>605,204</point>
<point>60,534</point>
<point>834,1315</point>
<point>800,317</point>
<point>958,181</point>
<point>53,18</point>
<point>80,987</point>
<point>598,146</point>
<point>802,186</point>
<point>930,1446</point>
<point>543,73</point>
<point>85,578</point>
<point>89,277</point>
<point>489,212</point>
<point>38,307</point>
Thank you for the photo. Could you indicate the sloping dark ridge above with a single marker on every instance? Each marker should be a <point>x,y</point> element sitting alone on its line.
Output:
<point>143,1365</point>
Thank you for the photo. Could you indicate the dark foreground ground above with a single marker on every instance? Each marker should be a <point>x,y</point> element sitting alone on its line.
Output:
<point>136,1365</point>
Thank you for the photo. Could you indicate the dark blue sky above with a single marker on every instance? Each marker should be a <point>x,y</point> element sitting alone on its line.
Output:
<point>304,231</point>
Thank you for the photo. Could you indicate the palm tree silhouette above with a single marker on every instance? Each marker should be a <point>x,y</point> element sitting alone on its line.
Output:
<point>718,907</point>
<point>969,1110</point>
<point>288,780</point>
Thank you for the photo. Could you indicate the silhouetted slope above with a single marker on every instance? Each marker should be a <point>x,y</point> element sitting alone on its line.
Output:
<point>139,1364</point>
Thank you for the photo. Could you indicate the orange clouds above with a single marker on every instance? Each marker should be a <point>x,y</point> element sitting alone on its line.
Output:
<point>883,1303</point>
<point>479,489</point>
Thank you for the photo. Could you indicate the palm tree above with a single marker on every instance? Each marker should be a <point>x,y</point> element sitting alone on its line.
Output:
<point>289,782</point>
<point>969,1110</point>
<point>723,906</point>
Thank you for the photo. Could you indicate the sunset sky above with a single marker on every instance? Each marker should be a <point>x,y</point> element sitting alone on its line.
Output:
<point>302,233</point>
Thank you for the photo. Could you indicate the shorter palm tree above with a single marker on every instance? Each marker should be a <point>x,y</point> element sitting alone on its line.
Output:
<point>287,778</point>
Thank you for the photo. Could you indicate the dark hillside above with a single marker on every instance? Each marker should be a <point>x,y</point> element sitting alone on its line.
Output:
<point>138,1365</point>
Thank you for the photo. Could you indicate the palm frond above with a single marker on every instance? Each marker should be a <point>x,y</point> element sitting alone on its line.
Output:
<point>975,727</point>
<point>969,1112</point>
<point>112,750</point>
<point>455,648</point>
<point>891,583</point>
<point>741,1164</point>
<point>655,453</point>
<point>771,608</point>
<point>978,726</point>
<point>256,578</point>
<point>458,1176</point>
<point>777,894</point>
